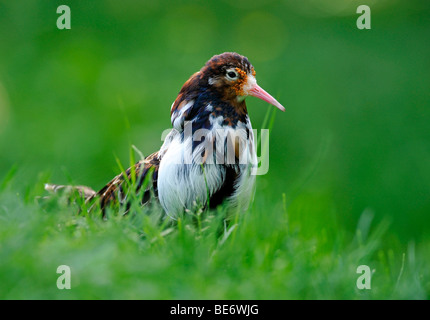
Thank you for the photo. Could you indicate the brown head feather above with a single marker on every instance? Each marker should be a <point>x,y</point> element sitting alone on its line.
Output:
<point>212,76</point>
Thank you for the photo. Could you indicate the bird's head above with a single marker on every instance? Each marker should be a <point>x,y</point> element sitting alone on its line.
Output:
<point>226,79</point>
<point>233,77</point>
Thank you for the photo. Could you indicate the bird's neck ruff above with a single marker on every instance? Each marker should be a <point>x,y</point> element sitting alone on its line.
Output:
<point>198,101</point>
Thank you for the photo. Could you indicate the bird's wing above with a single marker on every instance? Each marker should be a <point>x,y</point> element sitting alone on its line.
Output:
<point>119,187</point>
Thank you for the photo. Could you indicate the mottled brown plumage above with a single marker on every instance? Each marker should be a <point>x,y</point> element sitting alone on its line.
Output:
<point>115,190</point>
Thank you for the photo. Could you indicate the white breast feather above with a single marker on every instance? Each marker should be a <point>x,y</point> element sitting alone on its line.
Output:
<point>183,186</point>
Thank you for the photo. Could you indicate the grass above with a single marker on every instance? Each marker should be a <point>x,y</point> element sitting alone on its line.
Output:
<point>266,254</point>
<point>349,174</point>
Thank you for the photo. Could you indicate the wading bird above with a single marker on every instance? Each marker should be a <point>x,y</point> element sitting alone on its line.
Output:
<point>209,156</point>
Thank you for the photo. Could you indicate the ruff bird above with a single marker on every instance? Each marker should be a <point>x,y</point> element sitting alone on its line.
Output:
<point>209,157</point>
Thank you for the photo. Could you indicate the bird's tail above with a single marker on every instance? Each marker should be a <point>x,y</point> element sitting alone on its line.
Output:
<point>116,190</point>
<point>83,191</point>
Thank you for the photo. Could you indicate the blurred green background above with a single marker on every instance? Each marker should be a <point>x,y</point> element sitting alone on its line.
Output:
<point>355,135</point>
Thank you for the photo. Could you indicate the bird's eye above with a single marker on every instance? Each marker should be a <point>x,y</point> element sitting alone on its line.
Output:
<point>232,75</point>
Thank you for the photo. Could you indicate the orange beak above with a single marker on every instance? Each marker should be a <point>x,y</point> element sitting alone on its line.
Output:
<point>260,93</point>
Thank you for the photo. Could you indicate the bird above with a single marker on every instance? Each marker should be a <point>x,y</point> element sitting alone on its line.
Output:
<point>209,156</point>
